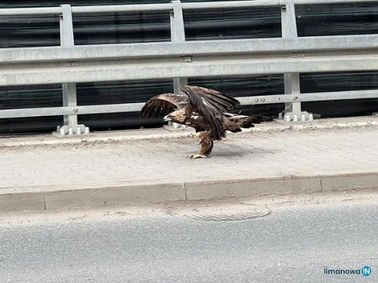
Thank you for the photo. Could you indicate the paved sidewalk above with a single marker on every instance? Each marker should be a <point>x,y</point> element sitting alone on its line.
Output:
<point>43,172</point>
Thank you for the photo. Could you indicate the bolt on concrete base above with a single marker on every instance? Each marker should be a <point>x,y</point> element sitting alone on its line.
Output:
<point>302,116</point>
<point>63,131</point>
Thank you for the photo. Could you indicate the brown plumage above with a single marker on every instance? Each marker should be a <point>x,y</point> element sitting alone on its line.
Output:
<point>206,110</point>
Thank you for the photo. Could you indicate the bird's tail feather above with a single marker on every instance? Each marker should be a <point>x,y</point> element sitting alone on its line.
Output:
<point>257,119</point>
<point>236,122</point>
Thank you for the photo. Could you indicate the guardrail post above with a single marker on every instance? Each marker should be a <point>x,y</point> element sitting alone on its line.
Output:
<point>293,111</point>
<point>177,35</point>
<point>70,125</point>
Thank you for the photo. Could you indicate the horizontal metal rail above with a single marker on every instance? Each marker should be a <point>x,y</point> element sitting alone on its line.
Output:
<point>144,69</point>
<point>164,7</point>
<point>31,11</point>
<point>319,2</point>
<point>233,4</point>
<point>135,107</point>
<point>121,8</point>
<point>67,110</point>
<point>188,48</point>
<point>309,97</point>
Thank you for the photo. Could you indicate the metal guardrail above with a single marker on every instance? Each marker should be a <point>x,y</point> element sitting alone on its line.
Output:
<point>284,48</point>
<point>167,7</point>
<point>69,64</point>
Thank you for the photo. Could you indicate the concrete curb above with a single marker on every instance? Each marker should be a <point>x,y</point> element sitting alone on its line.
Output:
<point>59,199</point>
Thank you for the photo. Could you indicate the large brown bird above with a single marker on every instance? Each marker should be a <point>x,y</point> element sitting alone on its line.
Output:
<point>206,110</point>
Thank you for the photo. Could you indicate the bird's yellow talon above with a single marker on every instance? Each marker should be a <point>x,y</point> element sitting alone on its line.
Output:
<point>196,156</point>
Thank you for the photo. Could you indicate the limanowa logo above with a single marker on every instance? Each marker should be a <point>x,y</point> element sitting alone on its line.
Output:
<point>364,271</point>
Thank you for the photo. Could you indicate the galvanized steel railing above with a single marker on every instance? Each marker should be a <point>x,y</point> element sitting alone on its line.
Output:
<point>179,59</point>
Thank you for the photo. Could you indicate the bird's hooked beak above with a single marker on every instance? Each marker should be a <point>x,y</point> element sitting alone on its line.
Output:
<point>167,118</point>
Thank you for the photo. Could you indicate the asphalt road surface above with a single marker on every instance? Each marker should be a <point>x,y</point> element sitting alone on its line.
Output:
<point>299,239</point>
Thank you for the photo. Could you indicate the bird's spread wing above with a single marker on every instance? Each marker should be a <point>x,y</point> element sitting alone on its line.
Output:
<point>211,104</point>
<point>220,100</point>
<point>163,104</point>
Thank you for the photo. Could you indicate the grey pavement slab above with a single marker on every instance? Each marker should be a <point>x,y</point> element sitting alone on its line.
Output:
<point>154,167</point>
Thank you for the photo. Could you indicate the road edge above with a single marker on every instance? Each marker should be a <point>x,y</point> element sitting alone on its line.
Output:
<point>56,198</point>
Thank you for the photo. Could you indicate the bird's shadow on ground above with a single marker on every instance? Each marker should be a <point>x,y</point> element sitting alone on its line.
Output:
<point>237,151</point>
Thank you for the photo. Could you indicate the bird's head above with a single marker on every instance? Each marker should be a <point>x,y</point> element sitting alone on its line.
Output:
<point>178,116</point>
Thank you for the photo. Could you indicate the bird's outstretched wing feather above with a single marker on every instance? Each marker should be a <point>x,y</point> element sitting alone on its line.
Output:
<point>218,99</point>
<point>163,104</point>
<point>211,104</point>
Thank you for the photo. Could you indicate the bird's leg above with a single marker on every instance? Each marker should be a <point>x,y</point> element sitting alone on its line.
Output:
<point>206,146</point>
<point>195,136</point>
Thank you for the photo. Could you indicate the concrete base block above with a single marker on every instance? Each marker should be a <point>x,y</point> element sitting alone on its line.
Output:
<point>349,181</point>
<point>251,187</point>
<point>122,195</point>
<point>22,201</point>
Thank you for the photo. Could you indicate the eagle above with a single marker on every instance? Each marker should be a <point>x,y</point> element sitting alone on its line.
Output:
<point>206,110</point>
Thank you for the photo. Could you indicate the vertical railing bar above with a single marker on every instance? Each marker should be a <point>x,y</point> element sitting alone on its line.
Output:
<point>177,32</point>
<point>70,122</point>
<point>177,35</point>
<point>293,111</point>
<point>67,40</point>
